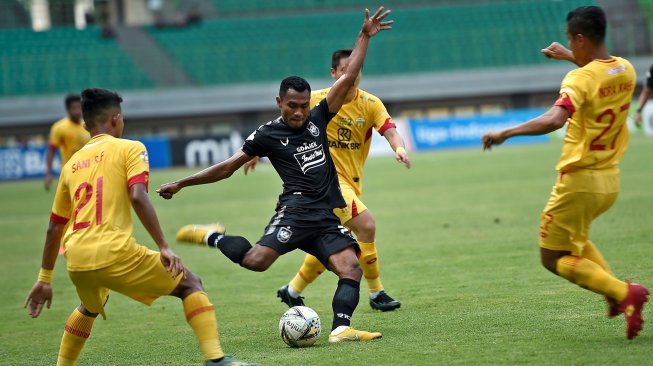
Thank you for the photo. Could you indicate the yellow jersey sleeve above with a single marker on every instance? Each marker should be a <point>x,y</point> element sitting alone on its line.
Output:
<point>381,118</point>
<point>61,206</point>
<point>54,139</point>
<point>138,165</point>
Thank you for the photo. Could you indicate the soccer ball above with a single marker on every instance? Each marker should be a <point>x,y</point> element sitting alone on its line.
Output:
<point>299,326</point>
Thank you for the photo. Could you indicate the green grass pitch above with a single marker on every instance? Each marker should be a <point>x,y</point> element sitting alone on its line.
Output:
<point>457,238</point>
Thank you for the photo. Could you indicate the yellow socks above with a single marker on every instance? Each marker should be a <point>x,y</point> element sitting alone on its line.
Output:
<point>370,264</point>
<point>310,270</point>
<point>587,274</point>
<point>77,330</point>
<point>200,316</point>
<point>591,252</point>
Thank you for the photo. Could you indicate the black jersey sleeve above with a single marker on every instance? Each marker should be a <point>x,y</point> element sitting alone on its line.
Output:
<point>255,145</point>
<point>321,112</point>
<point>649,78</point>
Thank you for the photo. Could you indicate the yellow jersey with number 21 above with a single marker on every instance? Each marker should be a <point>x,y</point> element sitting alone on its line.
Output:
<point>93,193</point>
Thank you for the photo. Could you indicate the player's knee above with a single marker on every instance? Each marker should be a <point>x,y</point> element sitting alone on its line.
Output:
<point>86,312</point>
<point>189,284</point>
<point>549,263</point>
<point>366,229</point>
<point>350,269</point>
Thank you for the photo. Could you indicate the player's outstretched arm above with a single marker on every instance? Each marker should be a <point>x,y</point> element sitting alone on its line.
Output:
<point>371,27</point>
<point>214,173</point>
<point>41,293</point>
<point>553,119</point>
<point>397,145</point>
<point>557,51</point>
<point>251,165</point>
<point>146,213</point>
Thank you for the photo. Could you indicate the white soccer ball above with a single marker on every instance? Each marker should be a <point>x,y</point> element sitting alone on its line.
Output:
<point>299,326</point>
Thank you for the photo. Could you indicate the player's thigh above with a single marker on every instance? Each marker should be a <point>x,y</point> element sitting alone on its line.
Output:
<point>354,206</point>
<point>142,276</point>
<point>91,293</point>
<point>289,230</point>
<point>567,217</point>
<point>333,238</point>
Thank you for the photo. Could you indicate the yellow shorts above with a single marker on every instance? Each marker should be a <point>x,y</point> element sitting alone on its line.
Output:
<point>141,276</point>
<point>576,200</point>
<point>354,204</point>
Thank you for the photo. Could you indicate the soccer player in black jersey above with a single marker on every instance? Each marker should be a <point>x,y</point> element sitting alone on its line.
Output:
<point>297,146</point>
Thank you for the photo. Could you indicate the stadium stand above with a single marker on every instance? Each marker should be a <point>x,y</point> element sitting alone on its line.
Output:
<point>13,15</point>
<point>247,49</point>
<point>64,59</point>
<point>255,7</point>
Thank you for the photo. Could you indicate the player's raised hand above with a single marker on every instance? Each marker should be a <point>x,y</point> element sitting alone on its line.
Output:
<point>557,51</point>
<point>375,23</point>
<point>168,190</point>
<point>250,165</point>
<point>41,294</point>
<point>492,138</point>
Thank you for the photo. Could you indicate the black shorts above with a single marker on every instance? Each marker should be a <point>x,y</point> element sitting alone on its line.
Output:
<point>316,231</point>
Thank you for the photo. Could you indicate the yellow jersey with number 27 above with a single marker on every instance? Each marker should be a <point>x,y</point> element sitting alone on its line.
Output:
<point>597,97</point>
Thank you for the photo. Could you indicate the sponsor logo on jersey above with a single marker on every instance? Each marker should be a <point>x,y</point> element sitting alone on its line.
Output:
<point>284,234</point>
<point>145,157</point>
<point>344,121</point>
<point>284,143</point>
<point>345,145</point>
<point>310,156</point>
<point>313,129</point>
<point>344,134</point>
<point>617,70</point>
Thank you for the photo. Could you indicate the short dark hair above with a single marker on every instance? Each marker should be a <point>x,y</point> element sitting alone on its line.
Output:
<point>96,102</point>
<point>72,98</point>
<point>589,21</point>
<point>338,55</point>
<point>293,82</point>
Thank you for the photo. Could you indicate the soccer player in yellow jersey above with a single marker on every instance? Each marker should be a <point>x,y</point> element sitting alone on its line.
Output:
<point>350,137</point>
<point>593,102</point>
<point>68,135</point>
<point>97,189</point>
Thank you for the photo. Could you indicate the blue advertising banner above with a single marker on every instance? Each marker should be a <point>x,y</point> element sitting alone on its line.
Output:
<point>158,151</point>
<point>25,162</point>
<point>29,162</point>
<point>427,134</point>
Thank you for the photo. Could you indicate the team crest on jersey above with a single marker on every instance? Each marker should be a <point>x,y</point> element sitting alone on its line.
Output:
<point>284,234</point>
<point>313,129</point>
<point>360,122</point>
<point>145,157</point>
